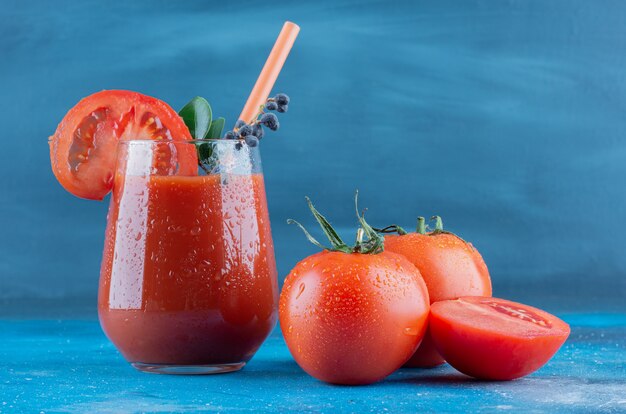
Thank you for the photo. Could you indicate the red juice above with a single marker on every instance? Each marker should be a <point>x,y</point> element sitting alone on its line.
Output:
<point>188,274</point>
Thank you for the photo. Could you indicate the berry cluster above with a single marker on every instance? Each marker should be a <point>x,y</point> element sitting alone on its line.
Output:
<point>251,133</point>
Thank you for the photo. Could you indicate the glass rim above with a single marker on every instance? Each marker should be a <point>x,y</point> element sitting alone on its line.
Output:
<point>183,141</point>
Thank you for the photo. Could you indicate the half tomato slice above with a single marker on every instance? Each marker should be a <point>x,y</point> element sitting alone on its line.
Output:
<point>495,339</point>
<point>83,148</point>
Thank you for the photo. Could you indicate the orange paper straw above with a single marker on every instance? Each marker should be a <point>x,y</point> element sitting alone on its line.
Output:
<point>271,69</point>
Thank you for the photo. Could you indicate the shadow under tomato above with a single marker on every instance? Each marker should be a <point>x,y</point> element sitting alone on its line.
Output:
<point>435,379</point>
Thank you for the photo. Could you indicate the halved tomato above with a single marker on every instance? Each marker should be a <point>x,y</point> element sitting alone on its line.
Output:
<point>83,148</point>
<point>495,339</point>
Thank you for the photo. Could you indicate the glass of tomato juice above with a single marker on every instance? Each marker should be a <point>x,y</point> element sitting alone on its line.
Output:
<point>188,279</point>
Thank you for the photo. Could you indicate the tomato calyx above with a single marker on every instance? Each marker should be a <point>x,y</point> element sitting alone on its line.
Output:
<point>422,228</point>
<point>393,228</point>
<point>438,227</point>
<point>421,225</point>
<point>373,243</point>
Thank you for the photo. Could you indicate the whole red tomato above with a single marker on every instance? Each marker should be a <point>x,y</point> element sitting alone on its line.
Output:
<point>353,315</point>
<point>450,266</point>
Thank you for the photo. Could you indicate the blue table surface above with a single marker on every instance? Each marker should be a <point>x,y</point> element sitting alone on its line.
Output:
<point>54,366</point>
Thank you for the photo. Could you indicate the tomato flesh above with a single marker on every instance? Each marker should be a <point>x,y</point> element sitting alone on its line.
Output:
<point>353,318</point>
<point>450,267</point>
<point>495,339</point>
<point>83,148</point>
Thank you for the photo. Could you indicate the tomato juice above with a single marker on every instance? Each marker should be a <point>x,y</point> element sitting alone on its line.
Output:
<point>188,275</point>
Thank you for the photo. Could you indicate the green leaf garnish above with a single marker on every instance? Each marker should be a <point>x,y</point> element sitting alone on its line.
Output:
<point>205,149</point>
<point>197,116</point>
<point>216,129</point>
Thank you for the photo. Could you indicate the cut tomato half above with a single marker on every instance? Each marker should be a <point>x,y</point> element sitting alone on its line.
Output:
<point>495,339</point>
<point>83,148</point>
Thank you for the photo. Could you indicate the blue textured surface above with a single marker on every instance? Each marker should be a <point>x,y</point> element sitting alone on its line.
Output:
<point>70,367</point>
<point>505,117</point>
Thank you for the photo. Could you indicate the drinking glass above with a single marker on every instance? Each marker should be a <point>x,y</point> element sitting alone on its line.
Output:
<point>188,278</point>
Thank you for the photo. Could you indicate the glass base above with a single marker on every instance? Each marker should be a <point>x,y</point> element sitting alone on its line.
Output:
<point>188,369</point>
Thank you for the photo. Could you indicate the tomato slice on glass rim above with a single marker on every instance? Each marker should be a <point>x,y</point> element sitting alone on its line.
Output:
<point>83,149</point>
<point>495,339</point>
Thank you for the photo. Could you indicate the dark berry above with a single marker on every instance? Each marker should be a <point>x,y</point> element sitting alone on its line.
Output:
<point>239,123</point>
<point>252,141</point>
<point>238,145</point>
<point>257,131</point>
<point>271,106</point>
<point>270,121</point>
<point>245,130</point>
<point>229,135</point>
<point>281,99</point>
<point>282,108</point>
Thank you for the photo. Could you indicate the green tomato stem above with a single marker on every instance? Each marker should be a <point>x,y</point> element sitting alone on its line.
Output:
<point>438,223</point>
<point>421,225</point>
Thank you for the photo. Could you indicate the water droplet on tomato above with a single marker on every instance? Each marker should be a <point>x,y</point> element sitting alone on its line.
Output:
<point>300,290</point>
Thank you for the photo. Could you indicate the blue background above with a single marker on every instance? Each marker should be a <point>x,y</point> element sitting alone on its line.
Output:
<point>505,117</point>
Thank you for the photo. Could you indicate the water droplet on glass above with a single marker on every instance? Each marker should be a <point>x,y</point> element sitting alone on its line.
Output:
<point>410,331</point>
